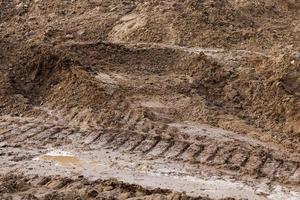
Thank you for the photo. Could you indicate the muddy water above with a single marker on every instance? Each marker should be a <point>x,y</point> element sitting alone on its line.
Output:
<point>153,175</point>
<point>62,158</point>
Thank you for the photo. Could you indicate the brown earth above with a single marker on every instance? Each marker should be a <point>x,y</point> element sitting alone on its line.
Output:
<point>57,188</point>
<point>141,66</point>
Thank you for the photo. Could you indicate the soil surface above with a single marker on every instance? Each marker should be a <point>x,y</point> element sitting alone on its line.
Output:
<point>172,99</point>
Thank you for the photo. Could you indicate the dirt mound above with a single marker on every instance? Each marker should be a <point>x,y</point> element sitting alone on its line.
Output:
<point>230,24</point>
<point>107,84</point>
<point>206,23</point>
<point>139,67</point>
<point>113,78</point>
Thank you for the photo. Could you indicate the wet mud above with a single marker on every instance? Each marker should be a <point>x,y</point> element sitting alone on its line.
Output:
<point>149,99</point>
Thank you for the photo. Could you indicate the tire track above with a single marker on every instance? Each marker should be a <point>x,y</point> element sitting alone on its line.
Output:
<point>237,158</point>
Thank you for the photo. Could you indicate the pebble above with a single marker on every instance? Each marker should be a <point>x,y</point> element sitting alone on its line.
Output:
<point>69,36</point>
<point>81,32</point>
<point>296,55</point>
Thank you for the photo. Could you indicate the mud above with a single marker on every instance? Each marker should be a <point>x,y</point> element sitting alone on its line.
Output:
<point>57,188</point>
<point>199,98</point>
<point>214,159</point>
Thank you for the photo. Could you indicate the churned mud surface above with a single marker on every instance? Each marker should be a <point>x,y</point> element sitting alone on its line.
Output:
<point>150,99</point>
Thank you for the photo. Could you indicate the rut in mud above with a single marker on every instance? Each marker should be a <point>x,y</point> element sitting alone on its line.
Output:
<point>54,187</point>
<point>231,154</point>
<point>198,98</point>
<point>152,160</point>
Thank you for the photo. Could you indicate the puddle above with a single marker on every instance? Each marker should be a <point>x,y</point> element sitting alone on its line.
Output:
<point>62,158</point>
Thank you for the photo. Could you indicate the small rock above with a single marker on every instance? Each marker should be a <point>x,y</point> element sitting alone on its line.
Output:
<point>108,188</point>
<point>69,36</point>
<point>125,195</point>
<point>92,193</point>
<point>32,18</point>
<point>43,180</point>
<point>81,32</point>
<point>296,56</point>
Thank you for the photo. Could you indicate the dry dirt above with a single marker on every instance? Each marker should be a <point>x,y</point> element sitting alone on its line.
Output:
<point>158,99</point>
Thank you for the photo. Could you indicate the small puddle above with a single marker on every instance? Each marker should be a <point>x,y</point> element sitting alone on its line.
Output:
<point>62,158</point>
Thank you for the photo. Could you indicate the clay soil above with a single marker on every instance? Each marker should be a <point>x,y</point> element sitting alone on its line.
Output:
<point>168,88</point>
